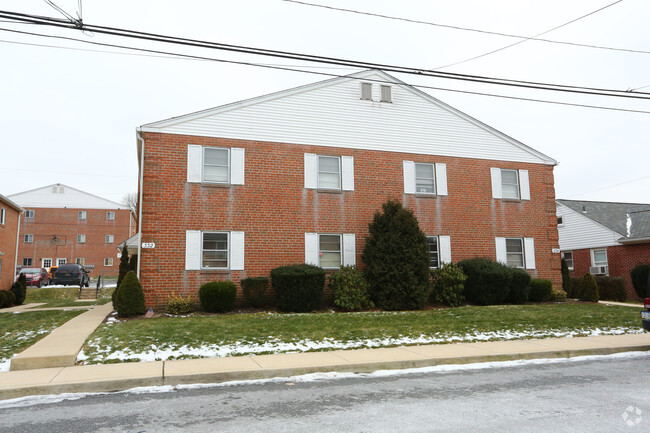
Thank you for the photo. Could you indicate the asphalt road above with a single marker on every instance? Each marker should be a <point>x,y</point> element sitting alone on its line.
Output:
<point>610,394</point>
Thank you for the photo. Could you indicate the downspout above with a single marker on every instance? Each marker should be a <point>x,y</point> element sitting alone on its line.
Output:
<point>141,140</point>
<point>13,275</point>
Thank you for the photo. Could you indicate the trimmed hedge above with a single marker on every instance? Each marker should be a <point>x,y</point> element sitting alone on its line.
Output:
<point>129,297</point>
<point>448,285</point>
<point>640,280</point>
<point>540,290</point>
<point>588,289</point>
<point>218,296</point>
<point>299,288</point>
<point>611,289</point>
<point>519,286</point>
<point>254,291</point>
<point>350,289</point>
<point>488,282</point>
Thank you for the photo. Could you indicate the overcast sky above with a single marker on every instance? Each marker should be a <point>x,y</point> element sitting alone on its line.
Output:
<point>69,109</point>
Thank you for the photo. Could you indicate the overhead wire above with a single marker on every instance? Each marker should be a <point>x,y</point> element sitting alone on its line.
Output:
<point>329,60</point>
<point>331,75</point>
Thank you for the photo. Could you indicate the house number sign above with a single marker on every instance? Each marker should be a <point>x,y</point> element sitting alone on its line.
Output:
<point>148,245</point>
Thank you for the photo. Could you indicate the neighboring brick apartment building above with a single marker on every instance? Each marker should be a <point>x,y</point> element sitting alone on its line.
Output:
<point>604,238</point>
<point>9,229</point>
<point>296,176</point>
<point>62,224</point>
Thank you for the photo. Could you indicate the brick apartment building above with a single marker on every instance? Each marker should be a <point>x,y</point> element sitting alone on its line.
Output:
<point>9,228</point>
<point>296,176</point>
<point>62,225</point>
<point>604,238</point>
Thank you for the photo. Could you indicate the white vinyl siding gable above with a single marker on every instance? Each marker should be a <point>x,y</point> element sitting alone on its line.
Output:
<point>413,178</point>
<point>579,231</point>
<point>414,123</point>
<point>206,164</point>
<point>510,184</point>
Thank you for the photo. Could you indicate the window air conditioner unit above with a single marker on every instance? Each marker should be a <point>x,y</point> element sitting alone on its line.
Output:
<point>599,270</point>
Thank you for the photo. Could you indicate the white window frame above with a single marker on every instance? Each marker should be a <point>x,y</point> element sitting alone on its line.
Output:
<point>347,245</point>
<point>564,253</point>
<point>437,252</point>
<point>366,91</point>
<point>28,238</point>
<point>80,261</point>
<point>439,178</point>
<point>108,261</point>
<point>345,172</point>
<point>29,213</point>
<point>195,165</point>
<point>45,261</point>
<point>595,263</point>
<point>386,93</point>
<point>523,184</point>
<point>339,251</point>
<point>27,261</point>
<point>433,178</point>
<point>560,220</point>
<point>82,215</point>
<point>81,238</point>
<point>3,216</point>
<point>227,250</point>
<point>110,216</point>
<point>338,172</point>
<point>516,185</point>
<point>203,165</point>
<point>521,254</point>
<point>61,261</point>
<point>109,239</point>
<point>528,245</point>
<point>194,250</point>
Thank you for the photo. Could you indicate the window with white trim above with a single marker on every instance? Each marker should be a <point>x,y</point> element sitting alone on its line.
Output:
<point>81,215</point>
<point>214,250</point>
<point>329,251</point>
<point>215,165</point>
<point>61,261</point>
<point>434,258</point>
<point>510,184</point>
<point>110,216</point>
<point>27,261</point>
<point>46,263</point>
<point>425,178</point>
<point>28,238</point>
<point>425,175</point>
<point>29,213</point>
<point>568,258</point>
<point>326,172</point>
<point>329,172</point>
<point>516,252</point>
<point>560,220</point>
<point>108,261</point>
<point>109,239</point>
<point>81,239</point>
<point>3,216</point>
<point>80,261</point>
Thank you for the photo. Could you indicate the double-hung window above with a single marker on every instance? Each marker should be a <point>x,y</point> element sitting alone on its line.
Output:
<point>425,178</point>
<point>27,261</point>
<point>3,216</point>
<point>329,173</point>
<point>510,184</point>
<point>439,250</point>
<point>29,238</point>
<point>81,239</point>
<point>109,239</point>
<point>29,213</point>
<point>425,175</point>
<point>110,216</point>
<point>516,252</point>
<point>81,215</point>
<point>215,165</point>
<point>432,244</point>
<point>599,262</point>
<point>108,261</point>
<point>329,251</point>
<point>568,258</point>
<point>214,250</point>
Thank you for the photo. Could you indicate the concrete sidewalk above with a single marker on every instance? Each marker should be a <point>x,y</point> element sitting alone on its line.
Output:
<point>116,377</point>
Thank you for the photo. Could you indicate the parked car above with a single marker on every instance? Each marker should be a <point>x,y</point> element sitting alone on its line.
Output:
<point>52,271</point>
<point>72,275</point>
<point>38,277</point>
<point>645,314</point>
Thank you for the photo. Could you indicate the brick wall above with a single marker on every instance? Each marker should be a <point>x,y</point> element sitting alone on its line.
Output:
<point>621,259</point>
<point>8,232</point>
<point>275,210</point>
<point>64,224</point>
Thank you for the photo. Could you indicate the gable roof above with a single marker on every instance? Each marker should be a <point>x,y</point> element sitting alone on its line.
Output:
<point>62,196</point>
<point>331,113</point>
<point>11,204</point>
<point>615,216</point>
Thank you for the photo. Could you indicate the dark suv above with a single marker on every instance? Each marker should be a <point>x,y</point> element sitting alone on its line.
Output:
<point>71,275</point>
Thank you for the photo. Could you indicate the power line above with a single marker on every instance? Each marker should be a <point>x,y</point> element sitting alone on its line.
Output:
<point>327,60</point>
<point>507,35</point>
<point>612,186</point>
<point>293,69</point>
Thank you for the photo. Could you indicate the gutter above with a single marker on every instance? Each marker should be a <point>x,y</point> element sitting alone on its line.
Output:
<point>138,136</point>
<point>627,241</point>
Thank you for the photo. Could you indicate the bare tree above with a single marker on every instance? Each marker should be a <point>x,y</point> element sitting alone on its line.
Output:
<point>131,201</point>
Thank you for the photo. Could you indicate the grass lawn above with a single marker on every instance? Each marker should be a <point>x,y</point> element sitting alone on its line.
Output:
<point>63,297</point>
<point>240,334</point>
<point>19,331</point>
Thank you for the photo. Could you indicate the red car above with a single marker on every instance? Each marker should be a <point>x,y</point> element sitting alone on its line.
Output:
<point>36,276</point>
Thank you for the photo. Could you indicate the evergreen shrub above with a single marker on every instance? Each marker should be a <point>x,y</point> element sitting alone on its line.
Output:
<point>557,296</point>
<point>254,291</point>
<point>130,297</point>
<point>611,289</point>
<point>4,299</point>
<point>566,277</point>
<point>397,259</point>
<point>519,291</point>
<point>575,283</point>
<point>298,288</point>
<point>179,305</point>
<point>124,265</point>
<point>448,285</point>
<point>640,280</point>
<point>350,289</point>
<point>19,291</point>
<point>588,289</point>
<point>218,296</point>
<point>540,290</point>
<point>488,282</point>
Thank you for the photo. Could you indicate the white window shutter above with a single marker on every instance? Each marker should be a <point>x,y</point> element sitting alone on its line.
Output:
<point>311,249</point>
<point>237,166</point>
<point>529,253</point>
<point>524,185</point>
<point>409,177</point>
<point>441,178</point>
<point>192,250</point>
<point>236,251</point>
<point>194,163</point>
<point>347,173</point>
<point>444,245</point>
<point>311,171</point>
<point>496,183</point>
<point>349,249</point>
<point>502,257</point>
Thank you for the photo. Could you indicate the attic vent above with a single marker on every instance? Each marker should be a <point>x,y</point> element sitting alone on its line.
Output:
<point>57,189</point>
<point>366,91</point>
<point>386,94</point>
